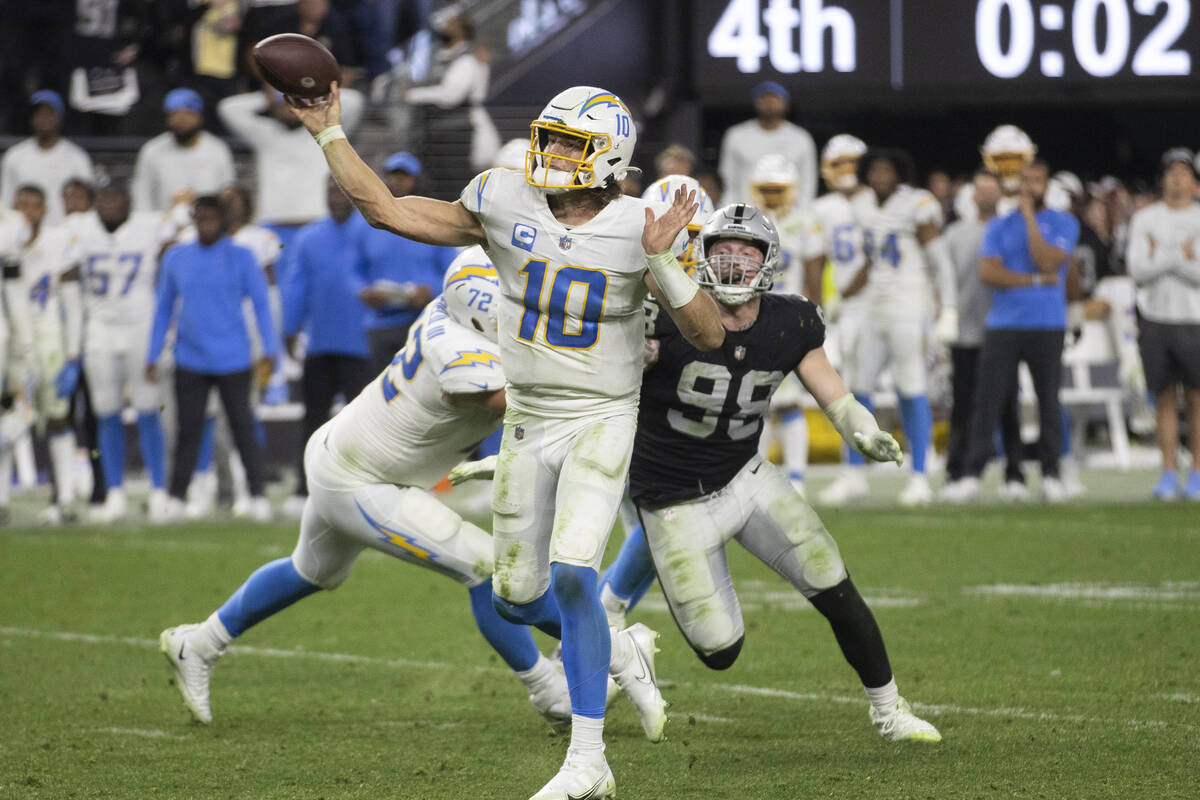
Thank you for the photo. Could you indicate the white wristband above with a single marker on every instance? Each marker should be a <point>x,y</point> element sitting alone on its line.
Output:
<point>674,285</point>
<point>330,134</point>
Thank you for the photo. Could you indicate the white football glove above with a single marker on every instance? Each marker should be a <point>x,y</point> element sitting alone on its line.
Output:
<point>879,446</point>
<point>945,330</point>
<point>481,470</point>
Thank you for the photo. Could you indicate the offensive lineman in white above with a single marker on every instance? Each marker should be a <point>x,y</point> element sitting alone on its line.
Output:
<point>906,257</point>
<point>45,280</point>
<point>774,183</point>
<point>575,258</point>
<point>118,252</point>
<point>370,470</point>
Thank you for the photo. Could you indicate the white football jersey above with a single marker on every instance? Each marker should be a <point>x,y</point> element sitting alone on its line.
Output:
<point>119,268</point>
<point>842,236</point>
<point>43,262</point>
<point>399,430</point>
<point>899,272</point>
<point>799,240</point>
<point>570,316</point>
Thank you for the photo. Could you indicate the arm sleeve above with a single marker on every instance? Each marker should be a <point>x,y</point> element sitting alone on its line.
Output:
<point>255,286</point>
<point>454,89</point>
<point>477,195</point>
<point>164,308</point>
<point>240,114</point>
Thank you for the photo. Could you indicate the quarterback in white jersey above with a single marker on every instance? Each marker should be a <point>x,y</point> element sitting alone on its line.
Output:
<point>369,472</point>
<point>118,253</point>
<point>575,259</point>
<point>45,281</point>
<point>902,242</point>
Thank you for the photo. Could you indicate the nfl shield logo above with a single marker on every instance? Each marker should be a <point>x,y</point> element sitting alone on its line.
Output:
<point>739,352</point>
<point>564,243</point>
<point>518,433</point>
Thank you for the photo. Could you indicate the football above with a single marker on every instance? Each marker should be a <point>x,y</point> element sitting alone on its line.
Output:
<point>296,64</point>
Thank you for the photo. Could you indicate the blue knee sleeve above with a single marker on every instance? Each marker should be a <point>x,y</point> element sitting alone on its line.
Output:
<point>269,589</point>
<point>514,643</point>
<point>632,574</point>
<point>208,445</point>
<point>110,438</point>
<point>154,447</point>
<point>586,641</point>
<point>852,455</point>
<point>542,613</point>
<point>917,419</point>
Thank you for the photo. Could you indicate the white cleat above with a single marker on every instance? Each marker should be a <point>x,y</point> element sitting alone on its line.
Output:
<point>293,507</point>
<point>53,516</point>
<point>158,508</point>
<point>916,492</point>
<point>113,510</point>
<point>1014,492</point>
<point>202,495</point>
<point>192,671</point>
<point>552,699</point>
<point>1053,491</point>
<point>850,485</point>
<point>175,512</point>
<point>963,490</point>
<point>899,724</point>
<point>580,778</point>
<point>260,509</point>
<point>637,681</point>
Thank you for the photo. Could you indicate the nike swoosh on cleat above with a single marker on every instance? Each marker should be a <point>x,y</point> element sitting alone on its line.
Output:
<point>181,655</point>
<point>587,794</point>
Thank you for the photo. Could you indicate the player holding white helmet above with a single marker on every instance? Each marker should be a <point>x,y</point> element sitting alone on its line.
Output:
<point>1005,151</point>
<point>574,258</point>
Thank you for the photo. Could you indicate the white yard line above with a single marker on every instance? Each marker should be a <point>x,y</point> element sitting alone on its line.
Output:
<point>145,733</point>
<point>758,691</point>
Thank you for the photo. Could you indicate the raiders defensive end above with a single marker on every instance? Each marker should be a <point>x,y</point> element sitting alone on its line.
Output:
<point>698,480</point>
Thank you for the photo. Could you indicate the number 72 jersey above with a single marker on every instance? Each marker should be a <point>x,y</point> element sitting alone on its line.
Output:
<point>570,314</point>
<point>118,269</point>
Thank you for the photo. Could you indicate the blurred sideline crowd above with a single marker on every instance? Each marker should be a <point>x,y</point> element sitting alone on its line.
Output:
<point>187,306</point>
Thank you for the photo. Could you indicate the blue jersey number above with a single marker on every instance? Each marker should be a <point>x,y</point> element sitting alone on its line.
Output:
<point>99,279</point>
<point>889,250</point>
<point>39,293</point>
<point>409,360</point>
<point>843,244</point>
<point>594,285</point>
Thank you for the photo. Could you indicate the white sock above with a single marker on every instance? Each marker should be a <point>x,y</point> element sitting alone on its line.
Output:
<point>538,673</point>
<point>795,445</point>
<point>62,461</point>
<point>587,735</point>
<point>6,474</point>
<point>614,604</point>
<point>213,638</point>
<point>885,697</point>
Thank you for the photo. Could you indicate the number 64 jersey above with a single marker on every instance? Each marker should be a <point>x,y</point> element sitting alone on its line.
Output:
<point>701,412</point>
<point>570,315</point>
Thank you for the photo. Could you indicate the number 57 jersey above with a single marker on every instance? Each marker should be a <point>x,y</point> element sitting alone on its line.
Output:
<point>119,268</point>
<point>570,316</point>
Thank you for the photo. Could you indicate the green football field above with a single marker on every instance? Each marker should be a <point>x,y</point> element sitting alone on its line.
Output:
<point>1057,650</point>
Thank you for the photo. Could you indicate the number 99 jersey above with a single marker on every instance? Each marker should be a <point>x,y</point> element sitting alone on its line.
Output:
<point>701,412</point>
<point>570,316</point>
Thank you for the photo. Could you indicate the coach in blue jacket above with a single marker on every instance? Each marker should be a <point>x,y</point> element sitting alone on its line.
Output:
<point>320,298</point>
<point>1024,258</point>
<point>202,286</point>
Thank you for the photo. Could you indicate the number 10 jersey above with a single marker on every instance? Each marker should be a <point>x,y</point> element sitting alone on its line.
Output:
<point>570,315</point>
<point>701,412</point>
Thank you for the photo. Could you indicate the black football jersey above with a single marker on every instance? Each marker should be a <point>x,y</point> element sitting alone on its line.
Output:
<point>701,414</point>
